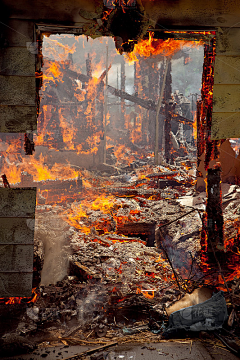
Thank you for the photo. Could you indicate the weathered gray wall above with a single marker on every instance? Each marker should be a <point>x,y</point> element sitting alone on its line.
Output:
<point>17,77</point>
<point>17,213</point>
<point>226,89</point>
<point>168,13</point>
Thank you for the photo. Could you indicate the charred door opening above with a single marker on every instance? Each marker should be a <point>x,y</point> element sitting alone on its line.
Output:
<point>112,233</point>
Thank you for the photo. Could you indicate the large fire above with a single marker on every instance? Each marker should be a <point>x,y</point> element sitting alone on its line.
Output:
<point>71,125</point>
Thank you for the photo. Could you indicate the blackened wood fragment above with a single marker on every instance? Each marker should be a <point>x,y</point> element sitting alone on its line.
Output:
<point>167,129</point>
<point>5,181</point>
<point>214,210</point>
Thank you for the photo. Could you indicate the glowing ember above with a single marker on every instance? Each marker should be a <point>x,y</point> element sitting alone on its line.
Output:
<point>149,294</point>
<point>19,300</point>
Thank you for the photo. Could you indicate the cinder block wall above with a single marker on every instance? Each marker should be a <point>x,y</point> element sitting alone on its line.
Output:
<point>17,76</point>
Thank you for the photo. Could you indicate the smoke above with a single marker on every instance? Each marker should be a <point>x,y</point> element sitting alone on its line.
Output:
<point>91,308</point>
<point>52,233</point>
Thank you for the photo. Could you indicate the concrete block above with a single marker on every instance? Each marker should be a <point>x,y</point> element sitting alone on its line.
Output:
<point>17,61</point>
<point>226,98</point>
<point>227,70</point>
<point>17,210</point>
<point>17,202</point>
<point>16,258</point>
<point>18,118</point>
<point>15,284</point>
<point>225,125</point>
<point>17,231</point>
<point>17,90</point>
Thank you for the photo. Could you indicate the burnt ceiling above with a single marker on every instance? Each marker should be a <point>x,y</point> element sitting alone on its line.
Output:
<point>165,14</point>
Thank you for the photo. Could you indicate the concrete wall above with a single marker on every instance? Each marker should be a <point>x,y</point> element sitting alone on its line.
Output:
<point>18,111</point>
<point>226,89</point>
<point>17,213</point>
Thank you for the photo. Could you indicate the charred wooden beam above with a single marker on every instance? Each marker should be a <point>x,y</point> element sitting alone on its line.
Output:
<point>200,133</point>
<point>146,104</point>
<point>29,145</point>
<point>214,211</point>
<point>136,87</point>
<point>168,108</point>
<point>153,95</point>
<point>157,125</point>
<point>89,66</point>
<point>5,181</point>
<point>123,80</point>
<point>90,100</point>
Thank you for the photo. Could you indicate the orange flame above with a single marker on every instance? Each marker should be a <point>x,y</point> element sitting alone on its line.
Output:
<point>18,300</point>
<point>149,294</point>
<point>151,47</point>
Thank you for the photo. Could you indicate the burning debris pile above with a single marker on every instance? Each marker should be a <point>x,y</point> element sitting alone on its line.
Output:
<point>115,263</point>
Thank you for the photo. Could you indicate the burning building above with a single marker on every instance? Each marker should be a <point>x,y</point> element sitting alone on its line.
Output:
<point>119,193</point>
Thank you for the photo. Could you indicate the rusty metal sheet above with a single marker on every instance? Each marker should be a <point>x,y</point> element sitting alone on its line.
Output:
<point>227,70</point>
<point>225,125</point>
<point>226,98</point>
<point>17,213</point>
